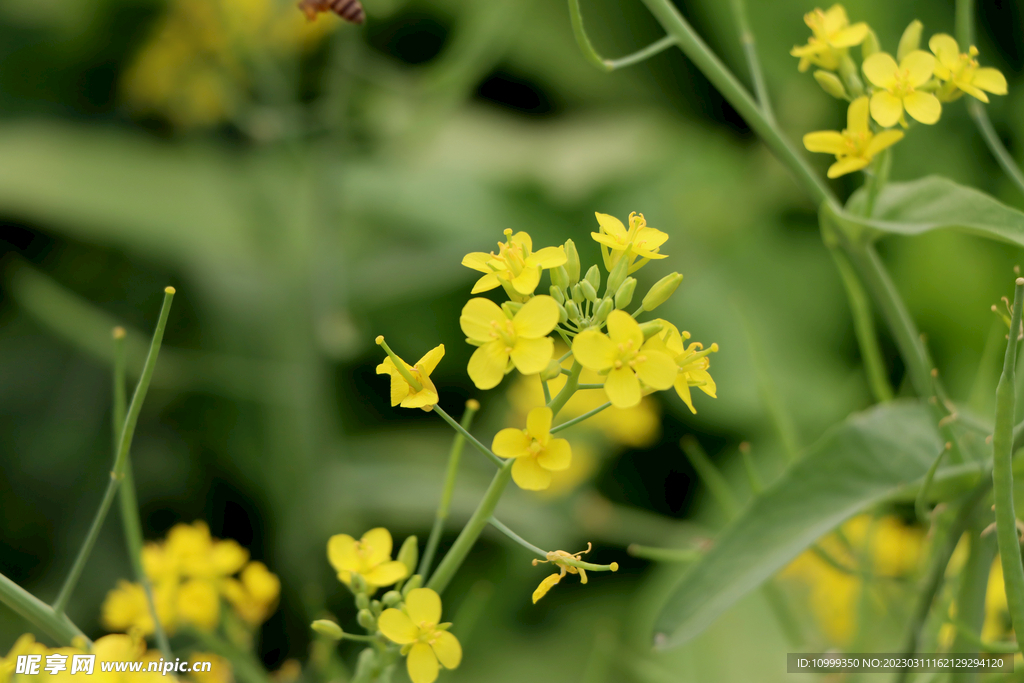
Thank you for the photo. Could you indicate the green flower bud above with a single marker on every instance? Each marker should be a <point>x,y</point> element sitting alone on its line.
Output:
<point>577,294</point>
<point>552,371</point>
<point>326,627</point>
<point>409,554</point>
<point>588,290</point>
<point>557,294</point>
<point>366,619</point>
<point>661,291</point>
<point>870,45</point>
<point>572,310</point>
<point>563,315</point>
<point>572,264</point>
<point>362,601</point>
<point>391,598</point>
<point>624,294</point>
<point>603,309</point>
<point>511,308</point>
<point>910,40</point>
<point>618,274</point>
<point>358,584</point>
<point>651,328</point>
<point>414,582</point>
<point>559,277</point>
<point>594,277</point>
<point>850,74</point>
<point>365,664</point>
<point>831,84</point>
<point>376,608</point>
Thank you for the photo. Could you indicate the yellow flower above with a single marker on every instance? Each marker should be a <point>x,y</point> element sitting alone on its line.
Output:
<point>402,393</point>
<point>557,558</point>
<point>522,339</point>
<point>220,668</point>
<point>126,607</point>
<point>25,645</point>
<point>856,145</point>
<point>370,557</point>
<point>961,71</point>
<point>692,361</point>
<point>625,358</point>
<point>898,88</point>
<point>191,552</point>
<point>832,36</point>
<point>424,641</point>
<point>643,242</point>
<point>536,453</point>
<point>254,594</point>
<point>516,266</point>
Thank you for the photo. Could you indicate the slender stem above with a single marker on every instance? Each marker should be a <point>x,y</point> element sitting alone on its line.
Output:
<point>965,23</point>
<point>467,537</point>
<point>640,55</point>
<point>516,537</point>
<point>747,40</point>
<point>127,432</point>
<point>921,502</point>
<point>701,55</point>
<point>973,639</point>
<point>590,386</point>
<point>1002,474</point>
<point>683,555</point>
<point>980,117</point>
<point>581,418</point>
<point>970,597</point>
<point>753,478</point>
<point>400,365</point>
<point>449,488</point>
<point>559,401</point>
<point>545,389</point>
<point>472,439</point>
<point>39,614</point>
<point>581,37</point>
<point>710,475</point>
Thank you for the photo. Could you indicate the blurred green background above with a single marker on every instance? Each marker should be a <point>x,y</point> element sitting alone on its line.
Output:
<point>334,201</point>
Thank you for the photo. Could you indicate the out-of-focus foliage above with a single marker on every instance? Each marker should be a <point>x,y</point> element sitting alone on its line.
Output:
<point>311,217</point>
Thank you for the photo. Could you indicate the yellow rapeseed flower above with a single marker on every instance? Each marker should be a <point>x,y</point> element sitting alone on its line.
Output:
<point>557,558</point>
<point>25,645</point>
<point>833,34</point>
<point>536,453</point>
<point>898,88</point>
<point>126,607</point>
<point>856,146</point>
<point>404,394</point>
<point>425,642</point>
<point>370,557</point>
<point>961,72</point>
<point>516,266</point>
<point>504,342</point>
<point>692,361</point>
<point>625,359</point>
<point>643,242</point>
<point>254,593</point>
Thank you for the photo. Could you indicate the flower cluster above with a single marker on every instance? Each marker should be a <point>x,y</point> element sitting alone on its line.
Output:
<point>915,82</point>
<point>190,573</point>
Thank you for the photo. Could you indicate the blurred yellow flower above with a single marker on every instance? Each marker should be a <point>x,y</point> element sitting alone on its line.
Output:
<point>254,594</point>
<point>220,668</point>
<point>516,266</point>
<point>126,607</point>
<point>369,557</point>
<point>536,453</point>
<point>833,34</point>
<point>25,645</point>
<point>404,394</point>
<point>522,339</point>
<point>961,71</point>
<point>898,88</point>
<point>425,642</point>
<point>643,242</point>
<point>856,146</point>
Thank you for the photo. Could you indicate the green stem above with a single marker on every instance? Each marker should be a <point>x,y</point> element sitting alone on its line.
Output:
<point>124,446</point>
<point>581,418</point>
<point>545,389</point>
<point>921,502</point>
<point>516,537</point>
<point>400,365</point>
<point>571,384</point>
<point>640,55</point>
<point>980,117</point>
<point>581,37</point>
<point>973,639</point>
<point>683,555</point>
<point>39,614</point>
<point>965,23</point>
<point>753,478</point>
<point>1002,474</point>
<point>747,40</point>
<point>467,537</point>
<point>472,439</point>
<point>710,475</point>
<point>449,487</point>
<point>590,386</point>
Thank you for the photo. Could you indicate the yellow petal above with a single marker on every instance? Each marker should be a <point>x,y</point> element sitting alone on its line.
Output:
<point>536,318</point>
<point>623,388</point>
<point>683,389</point>
<point>487,365</point>
<point>610,225</point>
<point>923,106</point>
<point>527,280</point>
<point>708,387</point>
<point>850,36</point>
<point>511,443</point>
<point>261,583</point>
<point>887,138</point>
<point>919,66</point>
<point>531,356</point>
<point>427,396</point>
<point>946,49</point>
<point>622,328</point>
<point>826,141</point>
<point>524,240</point>
<point>557,455</point>
<point>386,573</point>
<point>609,241</point>
<point>422,664</point>
<point>594,350</point>
<point>397,626</point>
<point>399,387</point>
<point>880,68</point>
<point>476,318</point>
<point>447,648</point>
<point>529,475</point>
<point>199,604</point>
<point>341,553</point>
<point>227,557</point>
<point>969,88</point>
<point>992,80</point>
<point>538,423</point>
<point>886,108</point>
<point>376,546</point>
<point>430,359</point>
<point>423,605</point>
<point>548,257</point>
<point>657,371</point>
<point>477,260</point>
<point>545,586</point>
<point>834,18</point>
<point>486,284</point>
<point>857,116</point>
<point>847,165</point>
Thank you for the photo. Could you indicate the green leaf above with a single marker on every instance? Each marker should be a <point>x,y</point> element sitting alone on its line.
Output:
<point>872,456</point>
<point>935,203</point>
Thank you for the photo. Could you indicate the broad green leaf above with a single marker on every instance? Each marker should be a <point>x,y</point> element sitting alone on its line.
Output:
<point>934,203</point>
<point>872,456</point>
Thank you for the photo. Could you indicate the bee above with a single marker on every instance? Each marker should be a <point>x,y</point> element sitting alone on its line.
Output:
<point>349,10</point>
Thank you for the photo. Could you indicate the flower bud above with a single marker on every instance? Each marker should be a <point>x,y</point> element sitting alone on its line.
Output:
<point>624,294</point>
<point>556,294</point>
<point>391,598</point>
<point>553,370</point>
<point>618,274</point>
<point>572,263</point>
<point>870,45</point>
<point>577,294</point>
<point>661,291</point>
<point>358,584</point>
<point>362,601</point>
<point>563,315</point>
<point>588,290</point>
<point>366,620</point>
<point>511,308</point>
<point>326,627</point>
<point>572,310</point>
<point>559,277</point>
<point>831,84</point>
<point>594,277</point>
<point>910,40</point>
<point>603,309</point>
<point>409,554</point>
<point>376,608</point>
<point>414,582</point>
<point>651,328</point>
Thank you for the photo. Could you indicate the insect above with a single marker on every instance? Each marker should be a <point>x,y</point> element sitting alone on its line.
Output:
<point>349,10</point>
